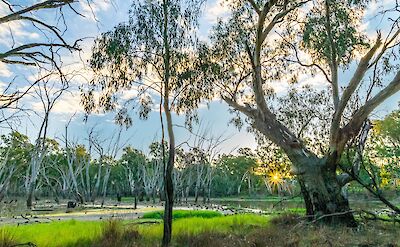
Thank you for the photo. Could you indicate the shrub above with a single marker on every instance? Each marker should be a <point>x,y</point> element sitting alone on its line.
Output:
<point>6,238</point>
<point>114,234</point>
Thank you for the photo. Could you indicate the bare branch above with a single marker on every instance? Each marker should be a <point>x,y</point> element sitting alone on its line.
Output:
<point>43,5</point>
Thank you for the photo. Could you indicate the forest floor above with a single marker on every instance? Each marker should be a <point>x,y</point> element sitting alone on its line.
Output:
<point>272,221</point>
<point>46,211</point>
<point>240,230</point>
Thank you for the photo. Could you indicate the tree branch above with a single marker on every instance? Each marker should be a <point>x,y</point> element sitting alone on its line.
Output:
<point>43,5</point>
<point>351,129</point>
<point>255,7</point>
<point>348,92</point>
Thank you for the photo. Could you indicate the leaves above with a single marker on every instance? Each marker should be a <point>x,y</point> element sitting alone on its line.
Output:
<point>133,56</point>
<point>331,33</point>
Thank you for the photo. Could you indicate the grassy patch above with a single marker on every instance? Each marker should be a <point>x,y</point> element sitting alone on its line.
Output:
<point>240,224</point>
<point>179,214</point>
<point>234,230</point>
<point>97,233</point>
<point>300,211</point>
<point>63,233</point>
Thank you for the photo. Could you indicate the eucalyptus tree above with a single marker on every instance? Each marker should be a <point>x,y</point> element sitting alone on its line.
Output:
<point>15,149</point>
<point>55,175</point>
<point>107,150</point>
<point>47,93</point>
<point>258,47</point>
<point>74,166</point>
<point>132,161</point>
<point>83,160</point>
<point>153,55</point>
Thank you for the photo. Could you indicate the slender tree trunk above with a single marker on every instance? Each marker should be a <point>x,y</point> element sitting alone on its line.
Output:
<point>209,192</point>
<point>105,184</point>
<point>135,202</point>
<point>169,192</point>
<point>97,185</point>
<point>196,193</point>
<point>204,194</point>
<point>29,200</point>
<point>153,196</point>
<point>32,183</point>
<point>168,183</point>
<point>88,185</point>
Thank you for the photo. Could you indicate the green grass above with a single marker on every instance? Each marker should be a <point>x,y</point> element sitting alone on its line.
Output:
<point>234,230</point>
<point>300,211</point>
<point>179,214</point>
<point>241,224</point>
<point>83,233</point>
<point>63,233</point>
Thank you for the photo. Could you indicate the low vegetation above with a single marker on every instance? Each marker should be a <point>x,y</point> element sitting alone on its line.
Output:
<point>63,233</point>
<point>193,230</point>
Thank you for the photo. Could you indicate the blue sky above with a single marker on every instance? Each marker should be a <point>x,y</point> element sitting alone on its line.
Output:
<point>104,17</point>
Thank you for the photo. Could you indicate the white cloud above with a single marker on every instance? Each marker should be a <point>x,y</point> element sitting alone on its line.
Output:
<point>4,70</point>
<point>13,33</point>
<point>69,103</point>
<point>90,10</point>
<point>216,10</point>
<point>127,95</point>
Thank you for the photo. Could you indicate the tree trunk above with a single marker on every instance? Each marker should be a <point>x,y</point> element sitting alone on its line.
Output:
<point>196,193</point>
<point>317,177</point>
<point>168,182</point>
<point>169,199</point>
<point>97,185</point>
<point>135,202</point>
<point>29,200</point>
<point>323,197</point>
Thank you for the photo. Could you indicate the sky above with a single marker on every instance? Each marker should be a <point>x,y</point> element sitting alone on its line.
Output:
<point>101,17</point>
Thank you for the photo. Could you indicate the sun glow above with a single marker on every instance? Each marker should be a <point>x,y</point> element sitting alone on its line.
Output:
<point>275,178</point>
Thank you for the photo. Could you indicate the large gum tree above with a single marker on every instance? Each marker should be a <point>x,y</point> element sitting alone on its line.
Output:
<point>265,43</point>
<point>151,56</point>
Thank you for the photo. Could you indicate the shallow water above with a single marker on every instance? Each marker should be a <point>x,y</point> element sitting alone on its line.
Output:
<point>287,204</point>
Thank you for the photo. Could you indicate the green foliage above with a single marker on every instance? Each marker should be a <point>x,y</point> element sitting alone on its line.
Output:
<point>389,127</point>
<point>331,32</point>
<point>231,172</point>
<point>151,54</point>
<point>16,146</point>
<point>306,111</point>
<point>179,214</point>
<point>385,149</point>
